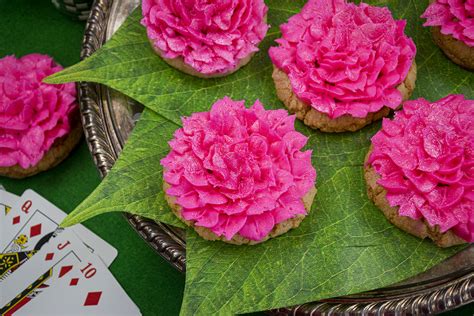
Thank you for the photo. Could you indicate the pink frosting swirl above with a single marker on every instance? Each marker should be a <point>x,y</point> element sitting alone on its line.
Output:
<point>343,58</point>
<point>455,17</point>
<point>425,159</point>
<point>239,171</point>
<point>32,114</point>
<point>211,36</point>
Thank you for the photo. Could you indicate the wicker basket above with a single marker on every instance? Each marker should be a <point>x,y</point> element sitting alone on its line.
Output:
<point>76,9</point>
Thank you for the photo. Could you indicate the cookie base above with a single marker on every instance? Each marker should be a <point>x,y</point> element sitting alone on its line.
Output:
<point>279,229</point>
<point>55,155</point>
<point>319,120</point>
<point>179,63</point>
<point>456,50</point>
<point>419,228</point>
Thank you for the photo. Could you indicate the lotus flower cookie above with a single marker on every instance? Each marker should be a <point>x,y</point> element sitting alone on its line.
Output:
<point>452,24</point>
<point>205,38</point>
<point>39,123</point>
<point>420,169</point>
<point>339,66</point>
<point>239,175</point>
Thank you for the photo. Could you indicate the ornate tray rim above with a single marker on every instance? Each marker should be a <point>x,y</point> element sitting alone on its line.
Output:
<point>105,146</point>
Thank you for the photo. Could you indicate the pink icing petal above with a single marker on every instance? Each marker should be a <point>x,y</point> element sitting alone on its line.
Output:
<point>465,231</point>
<point>261,204</point>
<point>238,206</point>
<point>208,218</point>
<point>408,208</point>
<point>257,226</point>
<point>445,196</point>
<point>420,180</point>
<point>282,214</point>
<point>455,17</point>
<point>233,225</point>
<point>182,187</point>
<point>33,115</point>
<point>193,171</point>
<point>189,200</point>
<point>394,184</point>
<point>211,197</point>
<point>211,38</point>
<point>190,214</point>
<point>298,165</point>
<point>433,176</point>
<point>245,171</point>
<point>8,157</point>
<point>344,58</point>
<point>291,205</point>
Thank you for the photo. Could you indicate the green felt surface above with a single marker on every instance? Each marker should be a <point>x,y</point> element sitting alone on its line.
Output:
<point>35,26</point>
<point>29,26</point>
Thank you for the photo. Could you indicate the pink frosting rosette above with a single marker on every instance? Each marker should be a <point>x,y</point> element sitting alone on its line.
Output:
<point>454,17</point>
<point>239,171</point>
<point>425,159</point>
<point>211,36</point>
<point>32,114</point>
<point>343,58</point>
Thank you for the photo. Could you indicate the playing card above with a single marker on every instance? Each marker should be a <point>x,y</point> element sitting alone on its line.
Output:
<point>63,278</point>
<point>9,262</point>
<point>7,200</point>
<point>12,261</point>
<point>31,221</point>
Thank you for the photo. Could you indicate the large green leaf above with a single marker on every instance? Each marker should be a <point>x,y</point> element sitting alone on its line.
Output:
<point>135,182</point>
<point>344,246</point>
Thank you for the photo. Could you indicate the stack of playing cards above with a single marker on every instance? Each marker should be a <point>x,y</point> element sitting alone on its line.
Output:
<point>46,270</point>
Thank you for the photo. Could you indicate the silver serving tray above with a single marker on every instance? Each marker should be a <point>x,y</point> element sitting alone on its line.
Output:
<point>108,118</point>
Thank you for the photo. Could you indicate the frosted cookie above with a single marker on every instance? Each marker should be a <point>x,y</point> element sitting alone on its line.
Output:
<point>453,29</point>
<point>420,169</point>
<point>239,175</point>
<point>340,66</point>
<point>205,39</point>
<point>39,123</point>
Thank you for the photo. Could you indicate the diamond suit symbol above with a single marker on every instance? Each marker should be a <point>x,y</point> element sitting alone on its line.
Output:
<point>16,220</point>
<point>92,298</point>
<point>64,270</point>
<point>35,230</point>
